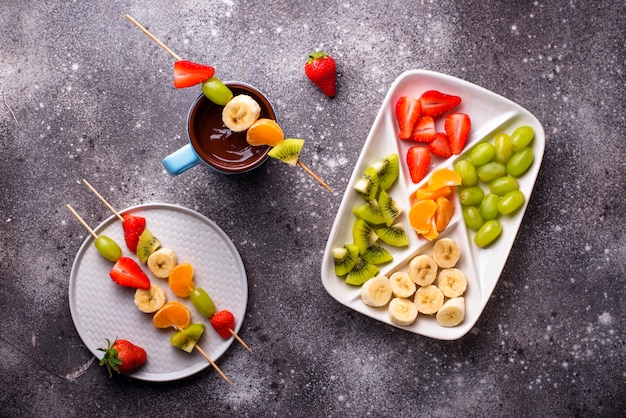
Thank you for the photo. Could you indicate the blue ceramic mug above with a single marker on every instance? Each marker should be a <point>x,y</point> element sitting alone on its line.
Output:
<point>212,143</point>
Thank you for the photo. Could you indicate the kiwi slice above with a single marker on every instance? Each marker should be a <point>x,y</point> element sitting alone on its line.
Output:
<point>393,235</point>
<point>147,244</point>
<point>376,254</point>
<point>370,212</point>
<point>363,235</point>
<point>345,258</point>
<point>187,338</point>
<point>369,184</point>
<point>388,169</point>
<point>389,208</point>
<point>361,272</point>
<point>287,151</point>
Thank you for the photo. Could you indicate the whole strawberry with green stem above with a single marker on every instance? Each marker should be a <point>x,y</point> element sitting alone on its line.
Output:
<point>321,69</point>
<point>122,356</point>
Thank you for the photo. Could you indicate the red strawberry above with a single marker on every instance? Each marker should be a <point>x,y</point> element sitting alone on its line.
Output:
<point>133,227</point>
<point>223,322</point>
<point>435,103</point>
<point>126,272</point>
<point>408,111</point>
<point>122,356</point>
<point>320,68</point>
<point>418,160</point>
<point>188,73</point>
<point>424,130</point>
<point>440,146</point>
<point>457,127</point>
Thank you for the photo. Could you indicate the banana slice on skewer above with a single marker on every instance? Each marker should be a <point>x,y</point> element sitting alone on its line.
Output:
<point>150,300</point>
<point>162,262</point>
<point>240,113</point>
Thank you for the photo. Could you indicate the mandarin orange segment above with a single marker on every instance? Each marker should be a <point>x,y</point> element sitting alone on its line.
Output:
<point>443,177</point>
<point>426,192</point>
<point>172,314</point>
<point>181,279</point>
<point>445,210</point>
<point>421,215</point>
<point>264,132</point>
<point>432,233</point>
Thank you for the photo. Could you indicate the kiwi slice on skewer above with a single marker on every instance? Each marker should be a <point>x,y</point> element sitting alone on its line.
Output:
<point>393,235</point>
<point>345,258</point>
<point>287,151</point>
<point>147,244</point>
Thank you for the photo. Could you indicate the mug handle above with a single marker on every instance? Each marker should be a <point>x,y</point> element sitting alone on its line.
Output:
<point>181,160</point>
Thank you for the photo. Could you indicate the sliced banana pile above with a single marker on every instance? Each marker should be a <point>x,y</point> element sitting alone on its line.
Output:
<point>432,286</point>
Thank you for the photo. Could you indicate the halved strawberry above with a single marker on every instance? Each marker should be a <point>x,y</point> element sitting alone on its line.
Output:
<point>188,73</point>
<point>408,111</point>
<point>223,321</point>
<point>133,227</point>
<point>424,130</point>
<point>434,102</point>
<point>126,272</point>
<point>457,128</point>
<point>440,146</point>
<point>418,160</point>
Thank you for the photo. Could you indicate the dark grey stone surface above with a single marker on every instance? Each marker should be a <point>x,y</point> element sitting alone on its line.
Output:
<point>86,95</point>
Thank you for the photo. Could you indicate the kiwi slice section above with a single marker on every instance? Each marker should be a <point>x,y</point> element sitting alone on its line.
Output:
<point>361,272</point>
<point>369,184</point>
<point>147,244</point>
<point>370,212</point>
<point>363,235</point>
<point>345,258</point>
<point>187,338</point>
<point>393,235</point>
<point>388,169</point>
<point>389,208</point>
<point>287,151</point>
<point>376,254</point>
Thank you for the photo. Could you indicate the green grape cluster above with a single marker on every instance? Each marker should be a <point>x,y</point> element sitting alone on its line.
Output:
<point>489,187</point>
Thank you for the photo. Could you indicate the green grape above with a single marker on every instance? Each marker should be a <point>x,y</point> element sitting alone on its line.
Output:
<point>511,201</point>
<point>216,91</point>
<point>467,171</point>
<point>504,148</point>
<point>520,162</point>
<point>489,206</point>
<point>488,233</point>
<point>108,248</point>
<point>202,302</point>
<point>471,195</point>
<point>521,137</point>
<point>472,217</point>
<point>481,154</point>
<point>491,171</point>
<point>503,185</point>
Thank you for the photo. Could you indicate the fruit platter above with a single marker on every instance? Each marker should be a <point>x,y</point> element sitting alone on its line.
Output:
<point>433,206</point>
<point>103,308</point>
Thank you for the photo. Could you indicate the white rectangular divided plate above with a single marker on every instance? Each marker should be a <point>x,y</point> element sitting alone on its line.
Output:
<point>490,114</point>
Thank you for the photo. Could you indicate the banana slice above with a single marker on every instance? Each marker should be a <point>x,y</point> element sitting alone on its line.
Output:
<point>150,300</point>
<point>376,291</point>
<point>402,311</point>
<point>161,262</point>
<point>452,282</point>
<point>428,299</point>
<point>446,252</point>
<point>452,312</point>
<point>402,285</point>
<point>240,113</point>
<point>423,270</point>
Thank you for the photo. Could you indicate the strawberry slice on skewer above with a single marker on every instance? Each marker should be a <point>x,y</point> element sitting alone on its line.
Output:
<point>188,73</point>
<point>224,324</point>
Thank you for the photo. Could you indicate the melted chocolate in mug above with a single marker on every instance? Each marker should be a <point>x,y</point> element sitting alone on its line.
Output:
<point>217,145</point>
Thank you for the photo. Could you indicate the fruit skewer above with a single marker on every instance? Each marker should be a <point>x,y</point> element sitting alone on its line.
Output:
<point>178,58</point>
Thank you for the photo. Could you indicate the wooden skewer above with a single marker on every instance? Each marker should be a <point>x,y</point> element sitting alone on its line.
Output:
<point>315,176</point>
<point>103,200</point>
<point>234,334</point>
<point>154,38</point>
<point>93,234</point>
<point>217,369</point>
